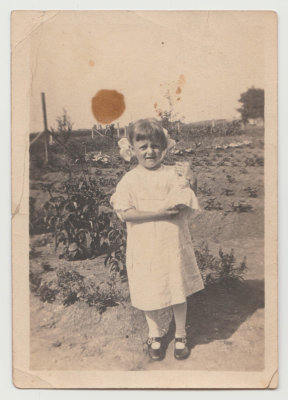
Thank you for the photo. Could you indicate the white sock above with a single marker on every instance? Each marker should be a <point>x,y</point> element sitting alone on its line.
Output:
<point>180,311</point>
<point>153,325</point>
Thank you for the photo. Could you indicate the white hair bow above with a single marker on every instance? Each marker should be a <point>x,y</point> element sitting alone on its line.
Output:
<point>126,151</point>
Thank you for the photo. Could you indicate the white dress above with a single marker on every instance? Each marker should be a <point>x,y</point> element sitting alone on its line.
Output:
<point>161,264</point>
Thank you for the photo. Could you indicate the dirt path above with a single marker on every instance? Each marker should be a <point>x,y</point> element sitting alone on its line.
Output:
<point>227,338</point>
<point>225,328</point>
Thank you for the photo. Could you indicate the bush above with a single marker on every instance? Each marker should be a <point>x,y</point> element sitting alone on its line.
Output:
<point>228,192</point>
<point>68,287</point>
<point>213,204</point>
<point>46,289</point>
<point>254,161</point>
<point>222,270</point>
<point>230,179</point>
<point>82,221</point>
<point>205,190</point>
<point>251,191</point>
<point>241,206</point>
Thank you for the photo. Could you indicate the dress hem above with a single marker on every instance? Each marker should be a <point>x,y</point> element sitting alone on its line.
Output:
<point>170,303</point>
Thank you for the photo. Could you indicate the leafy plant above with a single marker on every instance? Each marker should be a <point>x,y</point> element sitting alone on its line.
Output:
<point>205,190</point>
<point>36,224</point>
<point>254,161</point>
<point>230,178</point>
<point>64,125</point>
<point>223,270</point>
<point>228,192</point>
<point>45,289</point>
<point>83,223</point>
<point>241,206</point>
<point>251,191</point>
<point>69,287</point>
<point>213,204</point>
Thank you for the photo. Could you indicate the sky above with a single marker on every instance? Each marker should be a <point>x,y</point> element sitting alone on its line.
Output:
<point>212,57</point>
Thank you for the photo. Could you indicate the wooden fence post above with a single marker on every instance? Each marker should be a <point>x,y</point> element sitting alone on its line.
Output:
<point>46,133</point>
<point>212,125</point>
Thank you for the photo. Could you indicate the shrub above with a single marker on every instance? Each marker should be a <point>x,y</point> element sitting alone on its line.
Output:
<point>213,204</point>
<point>254,161</point>
<point>36,223</point>
<point>46,289</point>
<point>230,178</point>
<point>251,191</point>
<point>241,206</point>
<point>223,270</point>
<point>68,287</point>
<point>205,190</point>
<point>228,192</point>
<point>82,221</point>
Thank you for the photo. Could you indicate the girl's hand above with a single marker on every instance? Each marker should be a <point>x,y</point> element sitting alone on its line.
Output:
<point>181,207</point>
<point>169,212</point>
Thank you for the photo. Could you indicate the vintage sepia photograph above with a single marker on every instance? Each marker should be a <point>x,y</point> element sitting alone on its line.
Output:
<point>144,151</point>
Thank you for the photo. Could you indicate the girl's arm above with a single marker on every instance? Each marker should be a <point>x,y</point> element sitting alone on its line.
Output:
<point>133,215</point>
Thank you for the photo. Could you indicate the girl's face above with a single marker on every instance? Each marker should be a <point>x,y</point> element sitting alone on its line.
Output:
<point>148,153</point>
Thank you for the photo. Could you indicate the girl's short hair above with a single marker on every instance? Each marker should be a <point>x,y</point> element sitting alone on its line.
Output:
<point>148,128</point>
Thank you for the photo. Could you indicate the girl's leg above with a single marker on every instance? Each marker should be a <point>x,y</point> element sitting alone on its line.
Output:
<point>180,311</point>
<point>153,325</point>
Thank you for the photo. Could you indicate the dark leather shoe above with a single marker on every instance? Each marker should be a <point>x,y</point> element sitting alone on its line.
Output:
<point>155,354</point>
<point>181,354</point>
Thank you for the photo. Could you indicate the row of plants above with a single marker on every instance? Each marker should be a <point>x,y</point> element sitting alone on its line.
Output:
<point>224,128</point>
<point>69,286</point>
<point>240,206</point>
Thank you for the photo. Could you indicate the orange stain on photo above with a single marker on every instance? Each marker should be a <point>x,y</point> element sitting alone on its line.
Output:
<point>158,111</point>
<point>107,105</point>
<point>91,63</point>
<point>181,80</point>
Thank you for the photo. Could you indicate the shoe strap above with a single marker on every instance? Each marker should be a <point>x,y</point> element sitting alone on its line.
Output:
<point>153,340</point>
<point>182,340</point>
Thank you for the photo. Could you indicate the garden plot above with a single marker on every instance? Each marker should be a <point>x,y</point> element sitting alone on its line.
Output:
<point>80,309</point>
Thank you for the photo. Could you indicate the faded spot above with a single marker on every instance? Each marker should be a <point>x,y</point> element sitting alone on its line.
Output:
<point>91,63</point>
<point>107,105</point>
<point>178,90</point>
<point>181,80</point>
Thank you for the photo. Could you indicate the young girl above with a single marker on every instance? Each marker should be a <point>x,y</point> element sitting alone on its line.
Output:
<point>155,203</point>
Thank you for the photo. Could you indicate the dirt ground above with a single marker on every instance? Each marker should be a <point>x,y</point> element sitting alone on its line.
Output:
<point>225,326</point>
